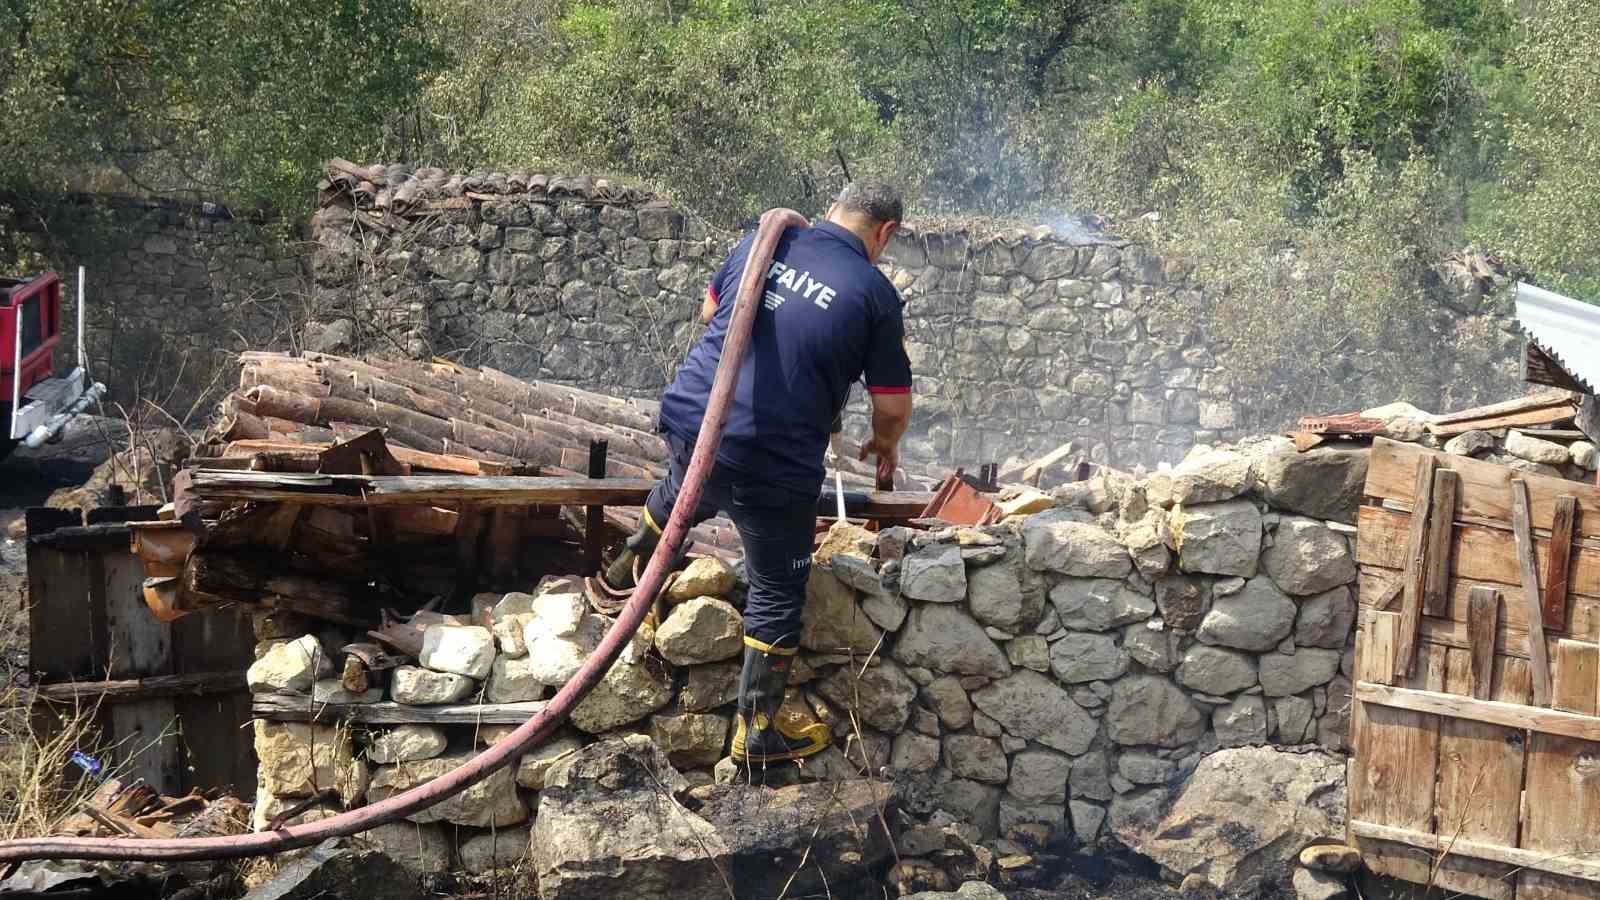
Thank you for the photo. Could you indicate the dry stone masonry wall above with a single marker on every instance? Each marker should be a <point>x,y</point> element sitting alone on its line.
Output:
<point>1019,340</point>
<point>1064,669</point>
<point>173,287</point>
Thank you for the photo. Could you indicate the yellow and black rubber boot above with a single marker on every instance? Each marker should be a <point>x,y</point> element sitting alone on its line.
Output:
<point>619,576</point>
<point>760,734</point>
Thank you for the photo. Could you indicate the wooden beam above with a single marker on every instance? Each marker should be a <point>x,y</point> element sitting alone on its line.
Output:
<point>507,490</point>
<point>1521,523</point>
<point>1520,404</point>
<point>1482,616</point>
<point>132,690</point>
<point>1573,867</point>
<point>1558,575</point>
<point>1416,567</point>
<point>1512,715</point>
<point>1441,521</point>
<point>300,708</point>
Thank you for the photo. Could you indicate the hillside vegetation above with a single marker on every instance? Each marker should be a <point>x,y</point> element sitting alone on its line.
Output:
<point>1319,156</point>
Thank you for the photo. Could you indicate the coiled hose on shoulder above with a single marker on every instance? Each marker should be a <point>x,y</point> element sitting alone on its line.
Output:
<point>537,729</point>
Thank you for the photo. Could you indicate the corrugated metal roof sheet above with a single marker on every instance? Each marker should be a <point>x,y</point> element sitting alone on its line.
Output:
<point>1567,329</point>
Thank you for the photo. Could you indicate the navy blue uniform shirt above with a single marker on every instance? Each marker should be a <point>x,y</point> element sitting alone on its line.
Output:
<point>827,317</point>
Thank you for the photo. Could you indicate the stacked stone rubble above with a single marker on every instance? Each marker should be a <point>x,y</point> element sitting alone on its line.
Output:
<point>1062,670</point>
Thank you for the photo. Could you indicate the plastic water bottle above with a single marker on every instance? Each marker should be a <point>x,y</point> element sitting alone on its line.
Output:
<point>91,766</point>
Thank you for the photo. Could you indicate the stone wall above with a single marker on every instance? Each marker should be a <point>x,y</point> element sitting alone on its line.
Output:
<point>173,289</point>
<point>1019,340</point>
<point>1066,667</point>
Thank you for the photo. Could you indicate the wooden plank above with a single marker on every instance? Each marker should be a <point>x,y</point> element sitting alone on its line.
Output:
<point>1387,785</point>
<point>148,742</point>
<point>1575,686</point>
<point>1416,566</point>
<point>1483,615</point>
<point>299,708</point>
<point>1511,715</point>
<point>140,644</point>
<point>1539,400</point>
<point>1558,573</point>
<point>1587,868</point>
<point>60,644</point>
<point>1561,815</point>
<point>508,490</point>
<point>133,690</point>
<point>1484,487</point>
<point>1480,784</point>
<point>1550,415</point>
<point>1522,523</point>
<point>1441,522</point>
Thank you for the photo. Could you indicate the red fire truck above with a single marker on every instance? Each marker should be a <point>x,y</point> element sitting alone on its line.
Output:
<point>35,403</point>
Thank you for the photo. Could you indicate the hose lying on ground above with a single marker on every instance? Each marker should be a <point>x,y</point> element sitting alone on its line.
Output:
<point>532,732</point>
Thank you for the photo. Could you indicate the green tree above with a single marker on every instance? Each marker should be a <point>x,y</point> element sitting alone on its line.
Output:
<point>1545,208</point>
<point>729,105</point>
<point>235,99</point>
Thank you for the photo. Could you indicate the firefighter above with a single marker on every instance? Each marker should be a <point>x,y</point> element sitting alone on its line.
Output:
<point>828,317</point>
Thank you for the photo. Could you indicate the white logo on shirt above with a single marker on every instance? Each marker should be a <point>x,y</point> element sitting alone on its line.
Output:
<point>802,284</point>
<point>772,300</point>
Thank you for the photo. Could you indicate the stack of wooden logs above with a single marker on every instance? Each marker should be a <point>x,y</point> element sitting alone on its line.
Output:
<point>471,421</point>
<point>336,488</point>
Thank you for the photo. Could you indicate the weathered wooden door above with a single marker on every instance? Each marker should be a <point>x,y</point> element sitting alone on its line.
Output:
<point>1476,742</point>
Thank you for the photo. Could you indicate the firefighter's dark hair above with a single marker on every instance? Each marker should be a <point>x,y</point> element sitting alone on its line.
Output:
<point>874,198</point>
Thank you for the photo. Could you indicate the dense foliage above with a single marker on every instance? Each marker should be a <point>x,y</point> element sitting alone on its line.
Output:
<point>1322,154</point>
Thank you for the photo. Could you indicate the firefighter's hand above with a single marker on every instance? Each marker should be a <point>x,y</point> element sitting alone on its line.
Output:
<point>888,453</point>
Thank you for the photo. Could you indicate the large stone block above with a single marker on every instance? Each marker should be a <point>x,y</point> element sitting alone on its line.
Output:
<point>1062,540</point>
<point>1283,674</point>
<point>833,621</point>
<point>944,638</point>
<point>1218,538</point>
<point>462,649</point>
<point>1324,483</point>
<point>1308,557</point>
<point>1243,816</point>
<point>1149,709</point>
<point>1257,617</point>
<point>1033,707</point>
<point>1325,619</point>
<point>881,695</point>
<point>1211,476</point>
<point>299,760</point>
<point>1039,776</point>
<point>1080,657</point>
<point>701,630</point>
<point>1099,604</point>
<point>1003,595</point>
<point>491,803</point>
<point>1217,671</point>
<point>935,575</point>
<point>290,666</point>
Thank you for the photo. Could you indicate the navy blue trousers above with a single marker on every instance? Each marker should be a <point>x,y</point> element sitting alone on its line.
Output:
<point>777,526</point>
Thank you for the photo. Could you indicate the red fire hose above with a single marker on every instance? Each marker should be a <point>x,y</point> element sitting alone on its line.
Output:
<point>532,732</point>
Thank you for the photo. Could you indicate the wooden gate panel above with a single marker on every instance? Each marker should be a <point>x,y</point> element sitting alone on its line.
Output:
<point>1511,782</point>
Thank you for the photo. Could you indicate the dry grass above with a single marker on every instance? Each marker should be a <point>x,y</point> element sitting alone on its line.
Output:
<point>38,783</point>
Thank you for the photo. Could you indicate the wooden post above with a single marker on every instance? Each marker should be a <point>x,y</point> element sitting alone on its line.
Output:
<point>1483,613</point>
<point>1558,575</point>
<point>1522,524</point>
<point>594,524</point>
<point>1416,571</point>
<point>1441,526</point>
